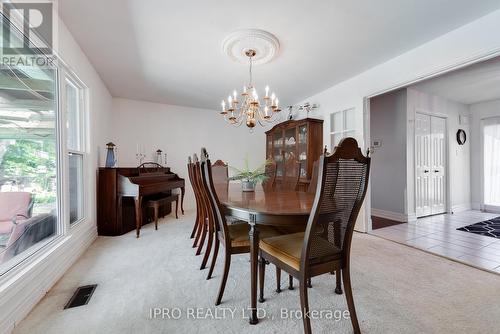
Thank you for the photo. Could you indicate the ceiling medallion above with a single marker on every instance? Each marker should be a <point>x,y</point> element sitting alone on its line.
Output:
<point>265,44</point>
<point>247,107</point>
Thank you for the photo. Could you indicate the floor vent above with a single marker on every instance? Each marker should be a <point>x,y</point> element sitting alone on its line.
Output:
<point>81,296</point>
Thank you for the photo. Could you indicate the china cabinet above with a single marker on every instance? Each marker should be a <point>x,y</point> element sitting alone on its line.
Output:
<point>300,140</point>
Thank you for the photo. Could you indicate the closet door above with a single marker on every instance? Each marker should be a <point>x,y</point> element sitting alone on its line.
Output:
<point>438,165</point>
<point>423,165</point>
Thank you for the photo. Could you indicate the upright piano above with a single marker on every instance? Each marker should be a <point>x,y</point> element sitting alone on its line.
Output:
<point>122,192</point>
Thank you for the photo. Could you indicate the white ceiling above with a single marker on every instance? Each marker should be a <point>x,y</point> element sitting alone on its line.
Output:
<point>472,84</point>
<point>169,51</point>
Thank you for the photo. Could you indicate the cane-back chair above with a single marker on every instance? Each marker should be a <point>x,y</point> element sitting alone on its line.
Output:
<point>325,246</point>
<point>235,237</point>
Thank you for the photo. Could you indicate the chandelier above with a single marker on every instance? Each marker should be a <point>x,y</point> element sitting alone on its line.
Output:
<point>247,107</point>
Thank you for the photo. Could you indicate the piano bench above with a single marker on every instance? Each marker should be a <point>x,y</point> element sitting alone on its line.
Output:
<point>163,201</point>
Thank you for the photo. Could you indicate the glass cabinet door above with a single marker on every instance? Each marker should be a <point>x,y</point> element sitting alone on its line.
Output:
<point>302,149</point>
<point>269,147</point>
<point>278,152</point>
<point>291,144</point>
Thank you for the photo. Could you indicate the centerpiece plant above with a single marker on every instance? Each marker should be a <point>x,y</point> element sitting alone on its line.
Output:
<point>248,177</point>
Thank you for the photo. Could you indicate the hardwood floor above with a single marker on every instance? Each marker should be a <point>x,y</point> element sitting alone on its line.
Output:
<point>378,222</point>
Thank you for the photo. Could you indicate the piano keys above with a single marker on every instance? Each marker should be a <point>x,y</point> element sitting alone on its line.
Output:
<point>122,192</point>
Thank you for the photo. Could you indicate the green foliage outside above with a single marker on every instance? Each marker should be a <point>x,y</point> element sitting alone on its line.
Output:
<point>32,163</point>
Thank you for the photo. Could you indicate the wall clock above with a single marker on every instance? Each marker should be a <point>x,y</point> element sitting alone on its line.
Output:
<point>461,137</point>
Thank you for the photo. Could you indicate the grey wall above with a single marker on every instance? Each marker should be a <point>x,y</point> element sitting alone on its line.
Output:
<point>388,171</point>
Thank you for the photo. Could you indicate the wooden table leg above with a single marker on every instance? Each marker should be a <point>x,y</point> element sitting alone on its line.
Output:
<point>176,207</point>
<point>138,215</point>
<point>183,191</point>
<point>254,254</point>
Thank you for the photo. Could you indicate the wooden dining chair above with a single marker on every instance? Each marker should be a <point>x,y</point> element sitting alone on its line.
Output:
<point>291,176</point>
<point>203,229</point>
<point>313,184</point>
<point>190,166</point>
<point>325,246</point>
<point>220,172</point>
<point>220,176</point>
<point>234,238</point>
<point>270,171</point>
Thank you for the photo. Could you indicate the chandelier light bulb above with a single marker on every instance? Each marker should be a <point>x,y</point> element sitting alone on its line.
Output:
<point>248,109</point>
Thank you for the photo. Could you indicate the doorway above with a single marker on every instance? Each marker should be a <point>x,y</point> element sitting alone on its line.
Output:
<point>491,163</point>
<point>430,165</point>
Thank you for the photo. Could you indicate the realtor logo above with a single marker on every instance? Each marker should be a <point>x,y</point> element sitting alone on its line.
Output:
<point>37,28</point>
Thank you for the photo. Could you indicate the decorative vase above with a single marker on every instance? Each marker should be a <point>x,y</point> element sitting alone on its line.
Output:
<point>247,185</point>
<point>110,155</point>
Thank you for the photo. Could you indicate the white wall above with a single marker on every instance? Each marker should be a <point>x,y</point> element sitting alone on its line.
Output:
<point>388,169</point>
<point>478,112</point>
<point>459,198</point>
<point>456,48</point>
<point>180,132</point>
<point>24,286</point>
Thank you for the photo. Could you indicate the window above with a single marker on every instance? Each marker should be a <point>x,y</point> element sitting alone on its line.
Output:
<point>75,125</point>
<point>342,124</point>
<point>42,156</point>
<point>29,178</point>
<point>491,140</point>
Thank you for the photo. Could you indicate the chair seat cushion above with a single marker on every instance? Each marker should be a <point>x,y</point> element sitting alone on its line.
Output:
<point>14,203</point>
<point>288,249</point>
<point>6,226</point>
<point>238,232</point>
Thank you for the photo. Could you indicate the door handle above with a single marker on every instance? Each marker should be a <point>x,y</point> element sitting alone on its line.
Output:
<point>426,171</point>
<point>436,171</point>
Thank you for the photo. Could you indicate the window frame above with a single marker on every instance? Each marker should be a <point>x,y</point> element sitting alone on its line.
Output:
<point>344,130</point>
<point>27,258</point>
<point>68,76</point>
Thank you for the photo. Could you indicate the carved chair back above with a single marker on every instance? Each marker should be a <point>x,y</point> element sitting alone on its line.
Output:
<point>269,183</point>
<point>342,183</point>
<point>291,175</point>
<point>220,172</point>
<point>220,222</point>
<point>314,178</point>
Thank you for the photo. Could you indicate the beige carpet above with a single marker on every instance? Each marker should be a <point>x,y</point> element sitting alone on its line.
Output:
<point>397,289</point>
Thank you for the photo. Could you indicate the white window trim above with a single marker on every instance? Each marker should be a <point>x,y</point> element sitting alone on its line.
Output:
<point>344,129</point>
<point>67,75</point>
<point>63,226</point>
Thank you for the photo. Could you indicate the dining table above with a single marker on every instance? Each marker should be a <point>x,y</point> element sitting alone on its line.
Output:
<point>263,207</point>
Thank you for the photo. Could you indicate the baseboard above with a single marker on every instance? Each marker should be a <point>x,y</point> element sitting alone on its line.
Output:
<point>412,218</point>
<point>461,207</point>
<point>25,289</point>
<point>396,216</point>
<point>476,206</point>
